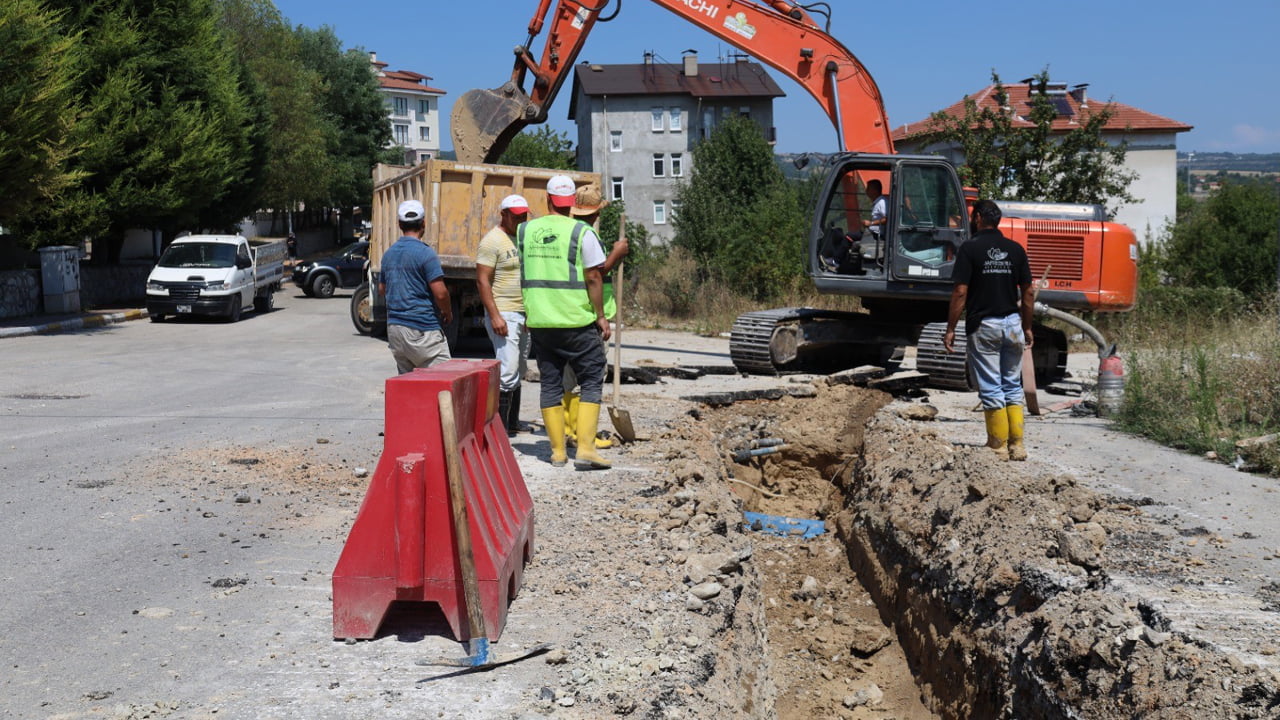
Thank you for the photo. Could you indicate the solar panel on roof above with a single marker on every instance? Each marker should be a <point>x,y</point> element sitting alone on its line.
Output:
<point>1062,106</point>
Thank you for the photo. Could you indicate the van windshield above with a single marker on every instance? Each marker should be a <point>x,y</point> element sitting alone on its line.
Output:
<point>198,254</point>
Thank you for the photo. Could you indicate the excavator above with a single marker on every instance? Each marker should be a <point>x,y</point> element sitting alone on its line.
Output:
<point>902,275</point>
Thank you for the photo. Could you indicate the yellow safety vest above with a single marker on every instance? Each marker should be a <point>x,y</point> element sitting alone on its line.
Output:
<point>552,278</point>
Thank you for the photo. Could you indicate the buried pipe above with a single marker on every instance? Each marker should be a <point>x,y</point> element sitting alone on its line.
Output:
<point>1110,369</point>
<point>744,455</point>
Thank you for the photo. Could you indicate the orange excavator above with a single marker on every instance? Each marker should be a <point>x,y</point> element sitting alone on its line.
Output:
<point>902,274</point>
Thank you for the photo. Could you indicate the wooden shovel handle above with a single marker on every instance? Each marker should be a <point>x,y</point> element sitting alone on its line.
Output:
<point>617,330</point>
<point>461,520</point>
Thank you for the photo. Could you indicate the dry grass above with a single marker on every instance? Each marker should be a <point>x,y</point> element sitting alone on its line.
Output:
<point>670,296</point>
<point>1203,383</point>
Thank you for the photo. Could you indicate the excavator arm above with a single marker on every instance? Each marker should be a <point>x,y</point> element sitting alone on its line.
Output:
<point>782,34</point>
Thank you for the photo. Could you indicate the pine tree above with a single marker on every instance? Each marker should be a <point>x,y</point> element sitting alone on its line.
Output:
<point>167,129</point>
<point>37,107</point>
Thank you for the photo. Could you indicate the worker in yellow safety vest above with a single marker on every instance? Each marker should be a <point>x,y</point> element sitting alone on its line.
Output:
<point>587,207</point>
<point>562,282</point>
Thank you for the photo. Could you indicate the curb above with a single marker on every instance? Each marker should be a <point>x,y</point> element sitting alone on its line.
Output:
<point>84,321</point>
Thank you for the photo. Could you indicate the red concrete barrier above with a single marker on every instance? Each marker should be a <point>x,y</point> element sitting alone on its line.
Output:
<point>402,546</point>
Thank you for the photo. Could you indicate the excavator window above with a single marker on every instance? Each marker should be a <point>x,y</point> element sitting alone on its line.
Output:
<point>930,221</point>
<point>848,206</point>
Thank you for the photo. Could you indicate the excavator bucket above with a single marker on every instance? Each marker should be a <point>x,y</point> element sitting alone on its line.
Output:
<point>484,121</point>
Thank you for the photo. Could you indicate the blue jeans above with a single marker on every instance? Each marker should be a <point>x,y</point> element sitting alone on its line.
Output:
<point>512,351</point>
<point>995,360</point>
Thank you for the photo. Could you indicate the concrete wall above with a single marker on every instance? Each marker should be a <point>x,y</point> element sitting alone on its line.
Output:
<point>19,293</point>
<point>600,116</point>
<point>122,285</point>
<point>1154,159</point>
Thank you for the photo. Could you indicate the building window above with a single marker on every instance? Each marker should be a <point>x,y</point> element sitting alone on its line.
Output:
<point>677,124</point>
<point>744,111</point>
<point>615,141</point>
<point>657,119</point>
<point>400,106</point>
<point>659,165</point>
<point>616,189</point>
<point>659,212</point>
<point>424,133</point>
<point>677,164</point>
<point>402,134</point>
<point>424,107</point>
<point>708,122</point>
<point>675,209</point>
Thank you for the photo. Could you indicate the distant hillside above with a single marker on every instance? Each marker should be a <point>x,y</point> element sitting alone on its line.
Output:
<point>1230,162</point>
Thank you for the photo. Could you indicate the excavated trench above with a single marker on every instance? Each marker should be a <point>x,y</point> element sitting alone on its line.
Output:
<point>949,584</point>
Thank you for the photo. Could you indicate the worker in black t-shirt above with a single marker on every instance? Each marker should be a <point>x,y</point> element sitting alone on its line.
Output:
<point>993,287</point>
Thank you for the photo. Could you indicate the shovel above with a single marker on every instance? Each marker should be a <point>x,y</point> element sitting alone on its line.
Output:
<point>621,418</point>
<point>1032,398</point>
<point>481,654</point>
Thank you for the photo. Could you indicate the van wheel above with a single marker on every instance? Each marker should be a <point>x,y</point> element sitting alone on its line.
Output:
<point>323,286</point>
<point>264,303</point>
<point>233,315</point>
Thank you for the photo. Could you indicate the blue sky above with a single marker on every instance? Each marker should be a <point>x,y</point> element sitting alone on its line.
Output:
<point>1214,66</point>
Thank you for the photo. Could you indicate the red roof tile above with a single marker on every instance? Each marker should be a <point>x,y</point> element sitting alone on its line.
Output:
<point>1124,118</point>
<point>404,80</point>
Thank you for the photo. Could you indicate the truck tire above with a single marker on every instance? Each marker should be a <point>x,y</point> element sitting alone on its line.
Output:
<point>233,315</point>
<point>453,329</point>
<point>157,317</point>
<point>362,310</point>
<point>265,302</point>
<point>322,286</point>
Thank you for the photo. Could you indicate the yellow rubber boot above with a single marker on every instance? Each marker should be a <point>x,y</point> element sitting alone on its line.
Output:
<point>586,458</point>
<point>1017,451</point>
<point>553,419</point>
<point>998,431</point>
<point>570,405</point>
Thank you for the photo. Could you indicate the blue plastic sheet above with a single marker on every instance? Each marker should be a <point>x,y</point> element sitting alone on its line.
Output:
<point>784,526</point>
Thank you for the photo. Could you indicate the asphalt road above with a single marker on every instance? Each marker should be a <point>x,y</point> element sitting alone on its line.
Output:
<point>110,562</point>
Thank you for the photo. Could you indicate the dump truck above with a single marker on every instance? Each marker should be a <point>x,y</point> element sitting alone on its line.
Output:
<point>462,204</point>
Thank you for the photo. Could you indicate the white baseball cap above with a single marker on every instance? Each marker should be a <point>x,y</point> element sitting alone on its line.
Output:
<point>411,211</point>
<point>562,191</point>
<point>516,204</point>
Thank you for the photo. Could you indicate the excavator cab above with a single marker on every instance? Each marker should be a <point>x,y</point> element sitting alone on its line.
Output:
<point>855,252</point>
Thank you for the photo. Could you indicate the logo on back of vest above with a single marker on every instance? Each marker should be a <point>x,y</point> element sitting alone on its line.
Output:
<point>997,254</point>
<point>547,238</point>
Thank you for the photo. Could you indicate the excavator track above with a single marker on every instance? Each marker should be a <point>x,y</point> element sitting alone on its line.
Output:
<point>801,340</point>
<point>945,370</point>
<point>752,334</point>
<point>948,370</point>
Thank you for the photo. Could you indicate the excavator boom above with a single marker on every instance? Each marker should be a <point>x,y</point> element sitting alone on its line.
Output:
<point>779,33</point>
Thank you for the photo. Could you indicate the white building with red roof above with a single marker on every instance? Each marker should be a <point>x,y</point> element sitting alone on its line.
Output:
<point>413,107</point>
<point>1151,152</point>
